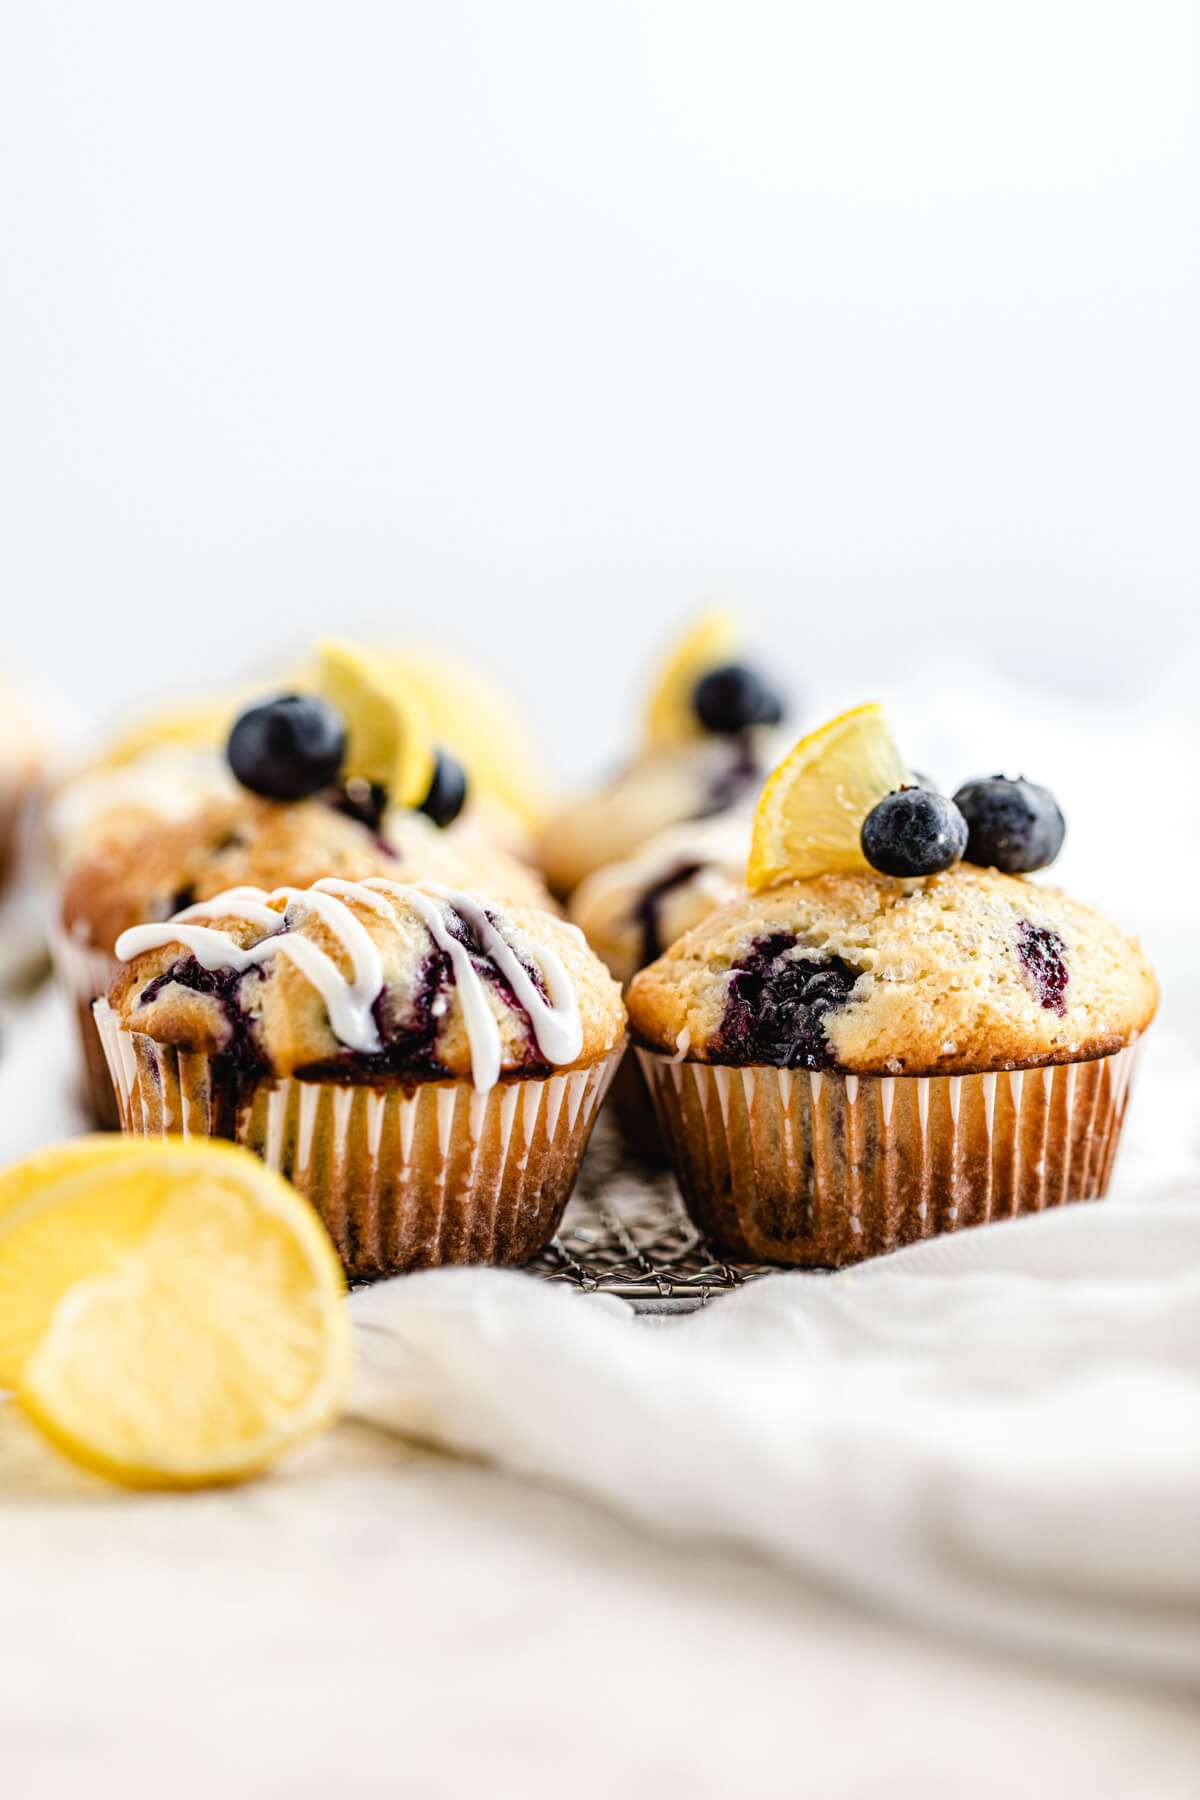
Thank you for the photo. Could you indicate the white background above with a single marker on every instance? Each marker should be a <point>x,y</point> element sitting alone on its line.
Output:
<point>529,326</point>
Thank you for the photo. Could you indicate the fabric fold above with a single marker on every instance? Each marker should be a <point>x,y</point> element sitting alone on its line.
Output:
<point>996,1433</point>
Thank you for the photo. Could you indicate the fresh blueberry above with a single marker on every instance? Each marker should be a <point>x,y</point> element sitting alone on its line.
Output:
<point>447,792</point>
<point>288,748</point>
<point>914,831</point>
<point>734,698</point>
<point>1014,826</point>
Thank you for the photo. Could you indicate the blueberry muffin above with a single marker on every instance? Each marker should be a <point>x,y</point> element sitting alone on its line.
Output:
<point>423,1062</point>
<point>174,824</point>
<point>709,739</point>
<point>237,842</point>
<point>844,1063</point>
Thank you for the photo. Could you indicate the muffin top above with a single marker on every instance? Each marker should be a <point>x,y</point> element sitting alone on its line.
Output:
<point>240,840</point>
<point>966,971</point>
<point>370,981</point>
<point>630,910</point>
<point>162,784</point>
<point>702,779</point>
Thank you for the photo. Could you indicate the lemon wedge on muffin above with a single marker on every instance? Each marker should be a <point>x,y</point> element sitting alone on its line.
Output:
<point>809,818</point>
<point>713,639</point>
<point>389,735</point>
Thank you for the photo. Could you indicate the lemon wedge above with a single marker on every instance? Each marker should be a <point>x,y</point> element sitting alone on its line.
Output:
<point>810,815</point>
<point>389,735</point>
<point>172,1316</point>
<point>709,643</point>
<point>484,729</point>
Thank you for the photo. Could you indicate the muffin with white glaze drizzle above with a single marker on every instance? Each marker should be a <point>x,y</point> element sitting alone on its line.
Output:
<point>424,1063</point>
<point>285,805</point>
<point>893,1033</point>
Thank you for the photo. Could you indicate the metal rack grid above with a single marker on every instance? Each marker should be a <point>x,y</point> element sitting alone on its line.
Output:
<point>626,1233</point>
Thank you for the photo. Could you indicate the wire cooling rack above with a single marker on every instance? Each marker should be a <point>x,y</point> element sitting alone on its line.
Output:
<point>626,1233</point>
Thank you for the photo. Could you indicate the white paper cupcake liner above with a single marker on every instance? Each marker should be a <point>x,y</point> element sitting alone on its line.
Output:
<point>404,1177</point>
<point>84,975</point>
<point>818,1170</point>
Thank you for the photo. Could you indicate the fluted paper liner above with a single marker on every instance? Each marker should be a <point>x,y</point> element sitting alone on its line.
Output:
<point>84,974</point>
<point>404,1177</point>
<point>815,1169</point>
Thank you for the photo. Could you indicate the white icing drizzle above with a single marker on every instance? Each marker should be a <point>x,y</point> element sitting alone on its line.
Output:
<point>557,1026</point>
<point>483,1033</point>
<point>355,1000</point>
<point>249,903</point>
<point>556,1023</point>
<point>348,1003</point>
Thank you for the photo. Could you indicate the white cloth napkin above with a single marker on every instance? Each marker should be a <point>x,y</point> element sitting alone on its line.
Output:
<point>996,1432</point>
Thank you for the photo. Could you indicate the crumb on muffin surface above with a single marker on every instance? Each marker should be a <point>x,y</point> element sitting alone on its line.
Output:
<point>966,971</point>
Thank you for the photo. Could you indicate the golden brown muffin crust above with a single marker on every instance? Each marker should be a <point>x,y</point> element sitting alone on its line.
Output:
<point>966,971</point>
<point>248,842</point>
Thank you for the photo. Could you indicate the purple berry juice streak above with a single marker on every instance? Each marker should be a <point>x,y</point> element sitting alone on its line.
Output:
<point>223,985</point>
<point>1043,956</point>
<point>743,775</point>
<point>647,912</point>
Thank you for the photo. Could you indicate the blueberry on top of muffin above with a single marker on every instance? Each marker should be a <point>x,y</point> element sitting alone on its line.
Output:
<point>294,746</point>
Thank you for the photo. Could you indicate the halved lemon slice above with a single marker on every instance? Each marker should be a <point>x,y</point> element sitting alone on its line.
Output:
<point>174,1316</point>
<point>390,739</point>
<point>484,729</point>
<point>712,641</point>
<point>810,815</point>
<point>25,1180</point>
